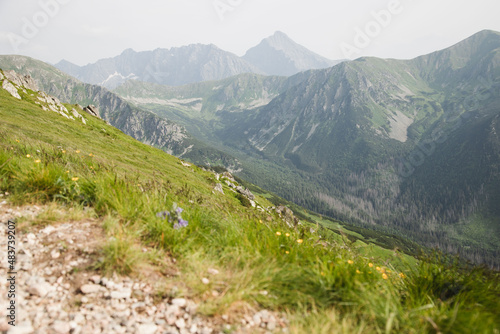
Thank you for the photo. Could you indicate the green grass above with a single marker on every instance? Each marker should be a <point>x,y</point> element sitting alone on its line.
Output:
<point>325,284</point>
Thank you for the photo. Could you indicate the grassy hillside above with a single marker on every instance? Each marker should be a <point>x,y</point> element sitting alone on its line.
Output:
<point>325,283</point>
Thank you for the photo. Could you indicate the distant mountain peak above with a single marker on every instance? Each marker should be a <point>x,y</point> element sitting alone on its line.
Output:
<point>278,54</point>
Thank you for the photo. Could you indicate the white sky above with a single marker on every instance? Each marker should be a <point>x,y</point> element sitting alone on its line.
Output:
<point>83,31</point>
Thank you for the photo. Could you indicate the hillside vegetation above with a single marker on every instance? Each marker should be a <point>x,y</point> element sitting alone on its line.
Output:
<point>324,282</point>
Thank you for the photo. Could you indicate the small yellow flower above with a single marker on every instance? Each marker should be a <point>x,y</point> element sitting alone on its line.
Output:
<point>322,274</point>
<point>299,241</point>
<point>67,172</point>
<point>77,151</point>
<point>17,140</point>
<point>350,261</point>
<point>91,155</point>
<point>389,271</point>
<point>370,265</point>
<point>402,275</point>
<point>287,234</point>
<point>358,272</point>
<point>63,151</point>
<point>384,276</point>
<point>287,252</point>
<point>378,269</point>
<point>369,272</point>
<point>74,179</point>
<point>278,233</point>
<point>28,155</point>
<point>37,161</point>
<point>260,221</point>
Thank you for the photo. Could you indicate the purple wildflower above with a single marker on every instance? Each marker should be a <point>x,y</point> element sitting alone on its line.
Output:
<point>179,210</point>
<point>182,222</point>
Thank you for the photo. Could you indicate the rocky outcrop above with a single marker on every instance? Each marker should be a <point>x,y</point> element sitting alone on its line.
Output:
<point>9,87</point>
<point>25,81</point>
<point>92,110</point>
<point>287,215</point>
<point>13,83</point>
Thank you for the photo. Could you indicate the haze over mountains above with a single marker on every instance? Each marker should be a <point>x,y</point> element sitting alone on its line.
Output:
<point>407,146</point>
<point>276,55</point>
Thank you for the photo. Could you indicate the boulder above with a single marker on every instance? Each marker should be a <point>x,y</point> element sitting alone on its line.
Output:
<point>11,89</point>
<point>92,110</point>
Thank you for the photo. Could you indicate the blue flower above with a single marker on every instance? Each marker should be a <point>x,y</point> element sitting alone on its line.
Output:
<point>179,210</point>
<point>182,222</point>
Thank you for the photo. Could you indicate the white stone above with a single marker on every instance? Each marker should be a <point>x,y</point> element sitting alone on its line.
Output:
<point>181,302</point>
<point>180,323</point>
<point>122,294</point>
<point>147,329</point>
<point>89,288</point>
<point>61,327</point>
<point>213,271</point>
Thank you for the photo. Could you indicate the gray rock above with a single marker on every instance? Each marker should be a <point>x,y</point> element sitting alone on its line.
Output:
<point>21,80</point>
<point>11,89</point>
<point>92,110</point>
<point>218,187</point>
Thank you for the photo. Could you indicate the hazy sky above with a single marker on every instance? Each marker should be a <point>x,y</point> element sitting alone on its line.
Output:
<point>84,31</point>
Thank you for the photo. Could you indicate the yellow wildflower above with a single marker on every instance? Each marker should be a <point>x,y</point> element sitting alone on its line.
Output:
<point>287,234</point>
<point>287,252</point>
<point>322,274</point>
<point>37,161</point>
<point>74,179</point>
<point>299,241</point>
<point>384,276</point>
<point>370,265</point>
<point>358,272</point>
<point>67,172</point>
<point>260,221</point>
<point>91,167</point>
<point>402,275</point>
<point>77,151</point>
<point>350,261</point>
<point>378,269</point>
<point>91,155</point>
<point>278,233</point>
<point>63,151</point>
<point>17,140</point>
<point>28,156</point>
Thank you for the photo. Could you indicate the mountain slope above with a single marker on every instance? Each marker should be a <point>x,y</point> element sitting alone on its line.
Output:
<point>159,220</point>
<point>142,125</point>
<point>279,55</point>
<point>175,66</point>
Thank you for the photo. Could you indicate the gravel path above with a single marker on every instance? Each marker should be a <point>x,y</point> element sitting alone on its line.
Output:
<point>56,292</point>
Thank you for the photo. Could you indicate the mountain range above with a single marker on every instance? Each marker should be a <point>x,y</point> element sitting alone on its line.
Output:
<point>403,145</point>
<point>276,55</point>
<point>409,147</point>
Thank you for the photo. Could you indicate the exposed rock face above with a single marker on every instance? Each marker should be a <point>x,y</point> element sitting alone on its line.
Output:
<point>13,82</point>
<point>21,80</point>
